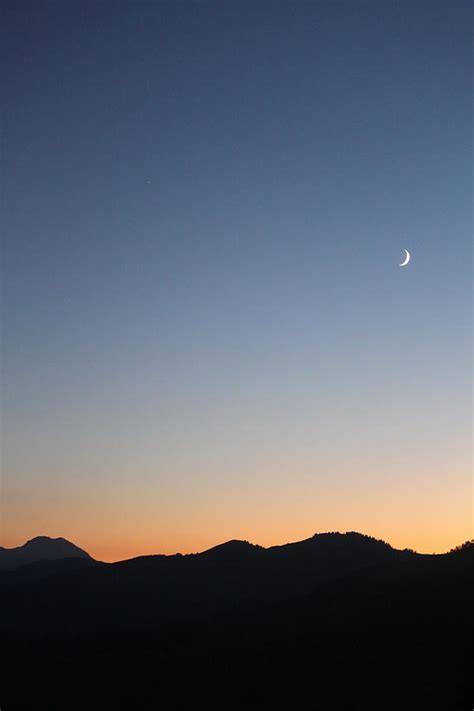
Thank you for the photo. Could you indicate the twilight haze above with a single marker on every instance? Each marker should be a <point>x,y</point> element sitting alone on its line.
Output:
<point>206,331</point>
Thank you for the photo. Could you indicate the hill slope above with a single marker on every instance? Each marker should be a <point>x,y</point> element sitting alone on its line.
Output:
<point>39,549</point>
<point>339,621</point>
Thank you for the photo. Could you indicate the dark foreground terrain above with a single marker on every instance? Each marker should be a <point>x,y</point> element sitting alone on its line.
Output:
<point>332,623</point>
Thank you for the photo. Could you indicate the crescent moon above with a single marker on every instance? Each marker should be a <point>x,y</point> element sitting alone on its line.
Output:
<point>406,260</point>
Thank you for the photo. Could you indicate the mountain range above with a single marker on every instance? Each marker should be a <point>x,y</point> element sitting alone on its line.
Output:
<point>343,619</point>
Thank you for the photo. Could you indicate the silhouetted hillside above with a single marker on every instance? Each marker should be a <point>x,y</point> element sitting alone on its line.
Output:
<point>232,550</point>
<point>152,590</point>
<point>39,549</point>
<point>338,621</point>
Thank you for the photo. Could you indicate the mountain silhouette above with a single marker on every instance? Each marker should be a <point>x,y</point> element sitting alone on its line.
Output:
<point>37,549</point>
<point>337,621</point>
<point>232,550</point>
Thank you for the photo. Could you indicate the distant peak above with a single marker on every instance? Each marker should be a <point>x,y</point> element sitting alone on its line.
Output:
<point>231,549</point>
<point>353,535</point>
<point>40,548</point>
<point>57,547</point>
<point>44,539</point>
<point>48,540</point>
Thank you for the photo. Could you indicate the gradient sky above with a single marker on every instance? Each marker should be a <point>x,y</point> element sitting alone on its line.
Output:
<point>205,331</point>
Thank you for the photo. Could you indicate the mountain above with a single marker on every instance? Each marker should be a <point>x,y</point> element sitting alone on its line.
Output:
<point>41,548</point>
<point>158,588</point>
<point>338,621</point>
<point>232,550</point>
<point>233,578</point>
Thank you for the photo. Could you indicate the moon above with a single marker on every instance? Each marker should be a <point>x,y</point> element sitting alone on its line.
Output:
<point>406,260</point>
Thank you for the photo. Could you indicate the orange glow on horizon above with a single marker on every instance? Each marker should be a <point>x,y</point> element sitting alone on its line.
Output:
<point>120,549</point>
<point>405,513</point>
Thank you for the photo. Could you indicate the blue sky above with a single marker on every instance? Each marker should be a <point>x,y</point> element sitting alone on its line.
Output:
<point>205,206</point>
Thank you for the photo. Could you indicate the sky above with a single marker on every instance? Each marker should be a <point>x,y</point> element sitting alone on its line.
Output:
<point>205,331</point>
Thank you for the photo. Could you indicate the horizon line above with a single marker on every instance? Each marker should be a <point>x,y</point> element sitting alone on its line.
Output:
<point>240,540</point>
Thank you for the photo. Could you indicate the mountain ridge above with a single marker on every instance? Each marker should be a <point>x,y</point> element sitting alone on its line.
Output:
<point>43,547</point>
<point>246,621</point>
<point>40,548</point>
